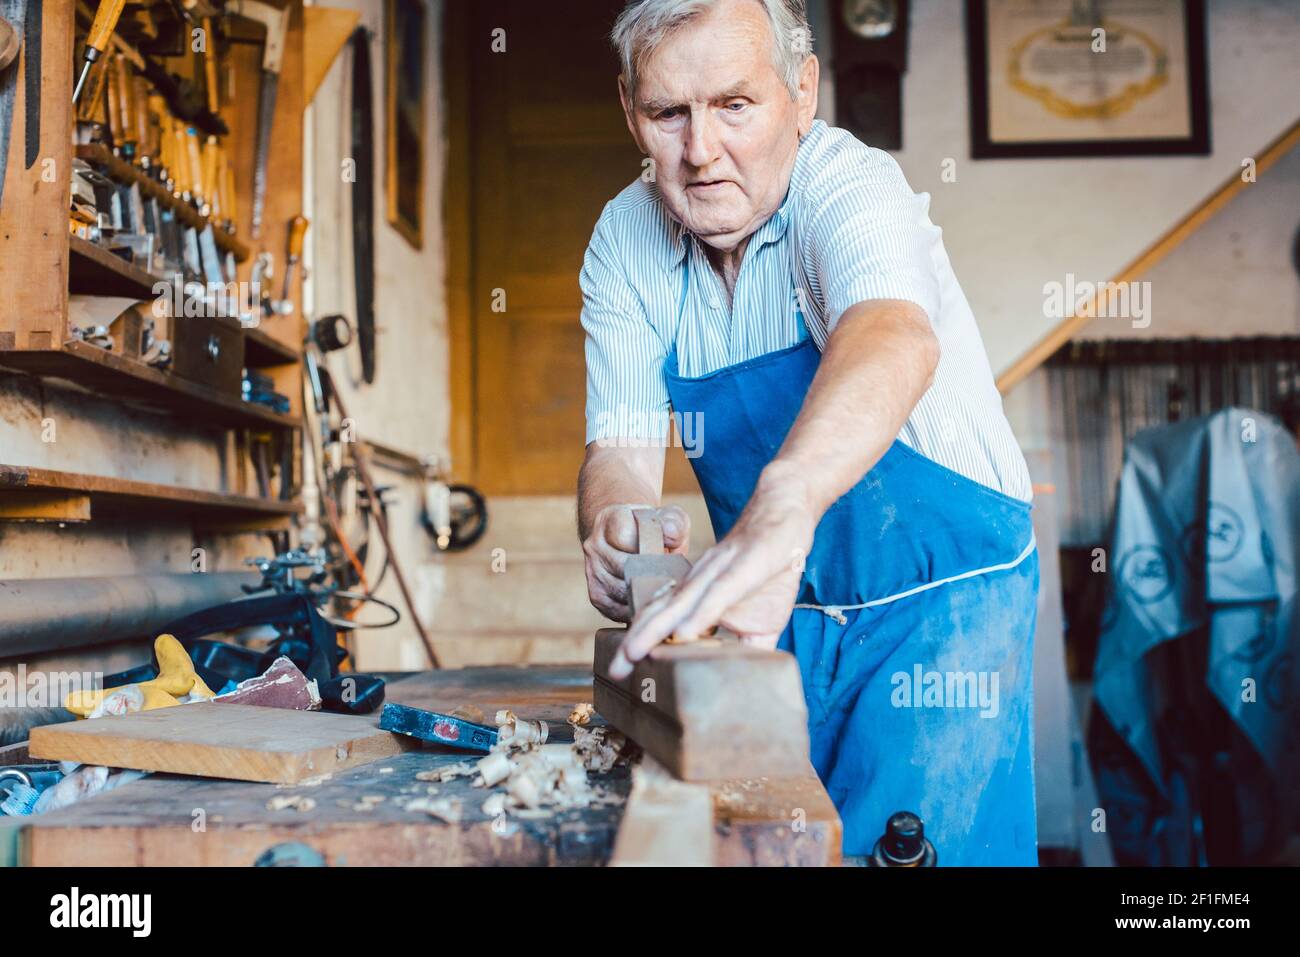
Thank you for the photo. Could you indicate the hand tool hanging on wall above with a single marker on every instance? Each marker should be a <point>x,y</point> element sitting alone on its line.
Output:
<point>454,516</point>
<point>363,200</point>
<point>32,80</point>
<point>277,25</point>
<point>101,31</point>
<point>297,236</point>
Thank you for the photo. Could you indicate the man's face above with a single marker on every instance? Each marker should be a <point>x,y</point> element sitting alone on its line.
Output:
<point>719,122</point>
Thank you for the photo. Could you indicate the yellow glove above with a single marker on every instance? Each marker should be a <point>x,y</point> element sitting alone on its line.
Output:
<point>176,678</point>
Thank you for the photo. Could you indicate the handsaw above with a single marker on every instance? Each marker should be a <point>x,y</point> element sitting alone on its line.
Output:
<point>277,25</point>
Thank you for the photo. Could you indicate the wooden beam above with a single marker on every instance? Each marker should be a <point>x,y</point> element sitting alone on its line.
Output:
<point>45,506</point>
<point>458,238</point>
<point>24,489</point>
<point>1162,247</point>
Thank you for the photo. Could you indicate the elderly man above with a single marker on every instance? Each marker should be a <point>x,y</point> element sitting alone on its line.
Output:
<point>777,282</point>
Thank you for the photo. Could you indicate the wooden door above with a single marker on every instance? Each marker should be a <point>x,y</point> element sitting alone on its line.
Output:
<point>537,146</point>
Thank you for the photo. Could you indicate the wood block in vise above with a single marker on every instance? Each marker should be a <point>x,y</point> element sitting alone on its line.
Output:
<point>708,710</point>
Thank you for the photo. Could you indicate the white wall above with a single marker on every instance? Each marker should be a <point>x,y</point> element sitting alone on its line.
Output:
<point>1012,225</point>
<point>408,405</point>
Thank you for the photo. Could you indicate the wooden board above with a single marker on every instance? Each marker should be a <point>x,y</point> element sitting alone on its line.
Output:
<point>153,822</point>
<point>235,741</point>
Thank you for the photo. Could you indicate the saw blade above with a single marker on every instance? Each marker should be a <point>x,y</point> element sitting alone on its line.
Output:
<point>265,117</point>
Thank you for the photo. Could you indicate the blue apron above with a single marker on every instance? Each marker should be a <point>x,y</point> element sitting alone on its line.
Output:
<point>919,698</point>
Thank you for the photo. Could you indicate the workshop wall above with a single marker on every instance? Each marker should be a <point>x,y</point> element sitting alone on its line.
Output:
<point>408,406</point>
<point>1011,225</point>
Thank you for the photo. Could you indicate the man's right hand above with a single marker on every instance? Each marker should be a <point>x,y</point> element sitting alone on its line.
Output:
<point>612,539</point>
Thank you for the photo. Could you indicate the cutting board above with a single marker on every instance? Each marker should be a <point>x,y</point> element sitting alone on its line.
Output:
<point>237,741</point>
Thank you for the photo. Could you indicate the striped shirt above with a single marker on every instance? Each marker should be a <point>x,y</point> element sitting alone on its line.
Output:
<point>850,229</point>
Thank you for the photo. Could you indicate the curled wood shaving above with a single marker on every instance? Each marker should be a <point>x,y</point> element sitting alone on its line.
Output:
<point>444,809</point>
<point>470,713</point>
<point>296,802</point>
<point>442,775</point>
<point>598,748</point>
<point>537,778</point>
<point>520,732</point>
<point>495,768</point>
<point>581,713</point>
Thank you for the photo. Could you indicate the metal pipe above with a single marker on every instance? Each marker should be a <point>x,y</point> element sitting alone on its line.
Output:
<point>48,614</point>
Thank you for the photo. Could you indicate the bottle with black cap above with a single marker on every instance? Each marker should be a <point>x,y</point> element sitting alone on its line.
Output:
<point>904,844</point>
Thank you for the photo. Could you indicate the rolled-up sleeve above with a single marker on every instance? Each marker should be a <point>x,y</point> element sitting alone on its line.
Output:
<point>869,236</point>
<point>626,394</point>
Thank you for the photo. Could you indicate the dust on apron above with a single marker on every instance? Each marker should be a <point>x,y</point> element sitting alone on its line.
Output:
<point>913,626</point>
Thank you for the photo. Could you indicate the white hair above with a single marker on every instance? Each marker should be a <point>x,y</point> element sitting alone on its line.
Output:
<point>645,24</point>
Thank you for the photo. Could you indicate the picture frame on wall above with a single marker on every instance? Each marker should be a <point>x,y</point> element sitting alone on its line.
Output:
<point>1087,78</point>
<point>405,72</point>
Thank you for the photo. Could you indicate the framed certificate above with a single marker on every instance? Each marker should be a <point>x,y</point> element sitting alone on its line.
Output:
<point>1087,77</point>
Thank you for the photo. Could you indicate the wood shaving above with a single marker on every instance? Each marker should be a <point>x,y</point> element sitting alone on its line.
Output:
<point>443,775</point>
<point>470,713</point>
<point>369,802</point>
<point>520,732</point>
<point>599,749</point>
<point>444,809</point>
<point>496,767</point>
<point>581,713</point>
<point>296,802</point>
<point>317,781</point>
<point>495,804</point>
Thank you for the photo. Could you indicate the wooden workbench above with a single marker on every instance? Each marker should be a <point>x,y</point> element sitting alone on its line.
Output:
<point>173,820</point>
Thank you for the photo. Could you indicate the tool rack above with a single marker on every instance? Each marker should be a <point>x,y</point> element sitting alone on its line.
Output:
<point>41,263</point>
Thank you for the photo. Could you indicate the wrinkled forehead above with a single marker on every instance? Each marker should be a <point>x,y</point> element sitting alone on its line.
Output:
<point>709,58</point>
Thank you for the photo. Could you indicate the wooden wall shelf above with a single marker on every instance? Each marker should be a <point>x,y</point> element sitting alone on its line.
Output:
<point>113,375</point>
<point>261,350</point>
<point>36,494</point>
<point>42,265</point>
<point>123,172</point>
<point>95,271</point>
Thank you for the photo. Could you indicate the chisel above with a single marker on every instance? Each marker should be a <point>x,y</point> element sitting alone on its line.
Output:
<point>101,31</point>
<point>438,728</point>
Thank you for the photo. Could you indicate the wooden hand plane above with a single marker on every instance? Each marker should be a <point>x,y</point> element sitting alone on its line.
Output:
<point>708,710</point>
